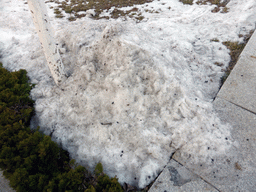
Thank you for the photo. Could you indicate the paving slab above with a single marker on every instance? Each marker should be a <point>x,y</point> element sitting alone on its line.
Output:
<point>176,178</point>
<point>4,184</point>
<point>238,88</point>
<point>250,48</point>
<point>236,170</point>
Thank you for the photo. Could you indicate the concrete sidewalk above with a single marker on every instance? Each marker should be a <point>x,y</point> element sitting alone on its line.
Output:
<point>236,171</point>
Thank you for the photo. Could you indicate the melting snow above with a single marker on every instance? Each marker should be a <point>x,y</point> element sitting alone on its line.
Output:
<point>136,92</point>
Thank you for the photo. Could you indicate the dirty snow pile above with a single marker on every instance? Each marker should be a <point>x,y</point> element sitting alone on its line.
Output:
<point>136,92</point>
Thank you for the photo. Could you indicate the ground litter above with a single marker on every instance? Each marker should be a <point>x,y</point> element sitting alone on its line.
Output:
<point>137,91</point>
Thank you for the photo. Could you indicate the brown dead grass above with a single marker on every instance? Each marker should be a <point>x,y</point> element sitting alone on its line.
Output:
<point>73,7</point>
<point>235,51</point>
<point>189,2</point>
<point>220,5</point>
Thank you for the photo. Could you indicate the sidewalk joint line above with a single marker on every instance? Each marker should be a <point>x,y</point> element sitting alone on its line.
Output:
<point>198,176</point>
<point>152,183</point>
<point>238,105</point>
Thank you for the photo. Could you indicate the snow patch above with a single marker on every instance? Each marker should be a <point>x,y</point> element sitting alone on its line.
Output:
<point>120,106</point>
<point>136,92</point>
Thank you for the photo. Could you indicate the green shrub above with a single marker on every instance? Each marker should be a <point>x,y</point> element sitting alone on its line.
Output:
<point>31,160</point>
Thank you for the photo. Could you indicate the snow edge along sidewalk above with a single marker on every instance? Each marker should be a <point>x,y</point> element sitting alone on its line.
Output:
<point>238,88</point>
<point>236,105</point>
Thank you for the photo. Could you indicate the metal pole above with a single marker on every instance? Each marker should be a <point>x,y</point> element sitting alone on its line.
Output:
<point>46,37</point>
